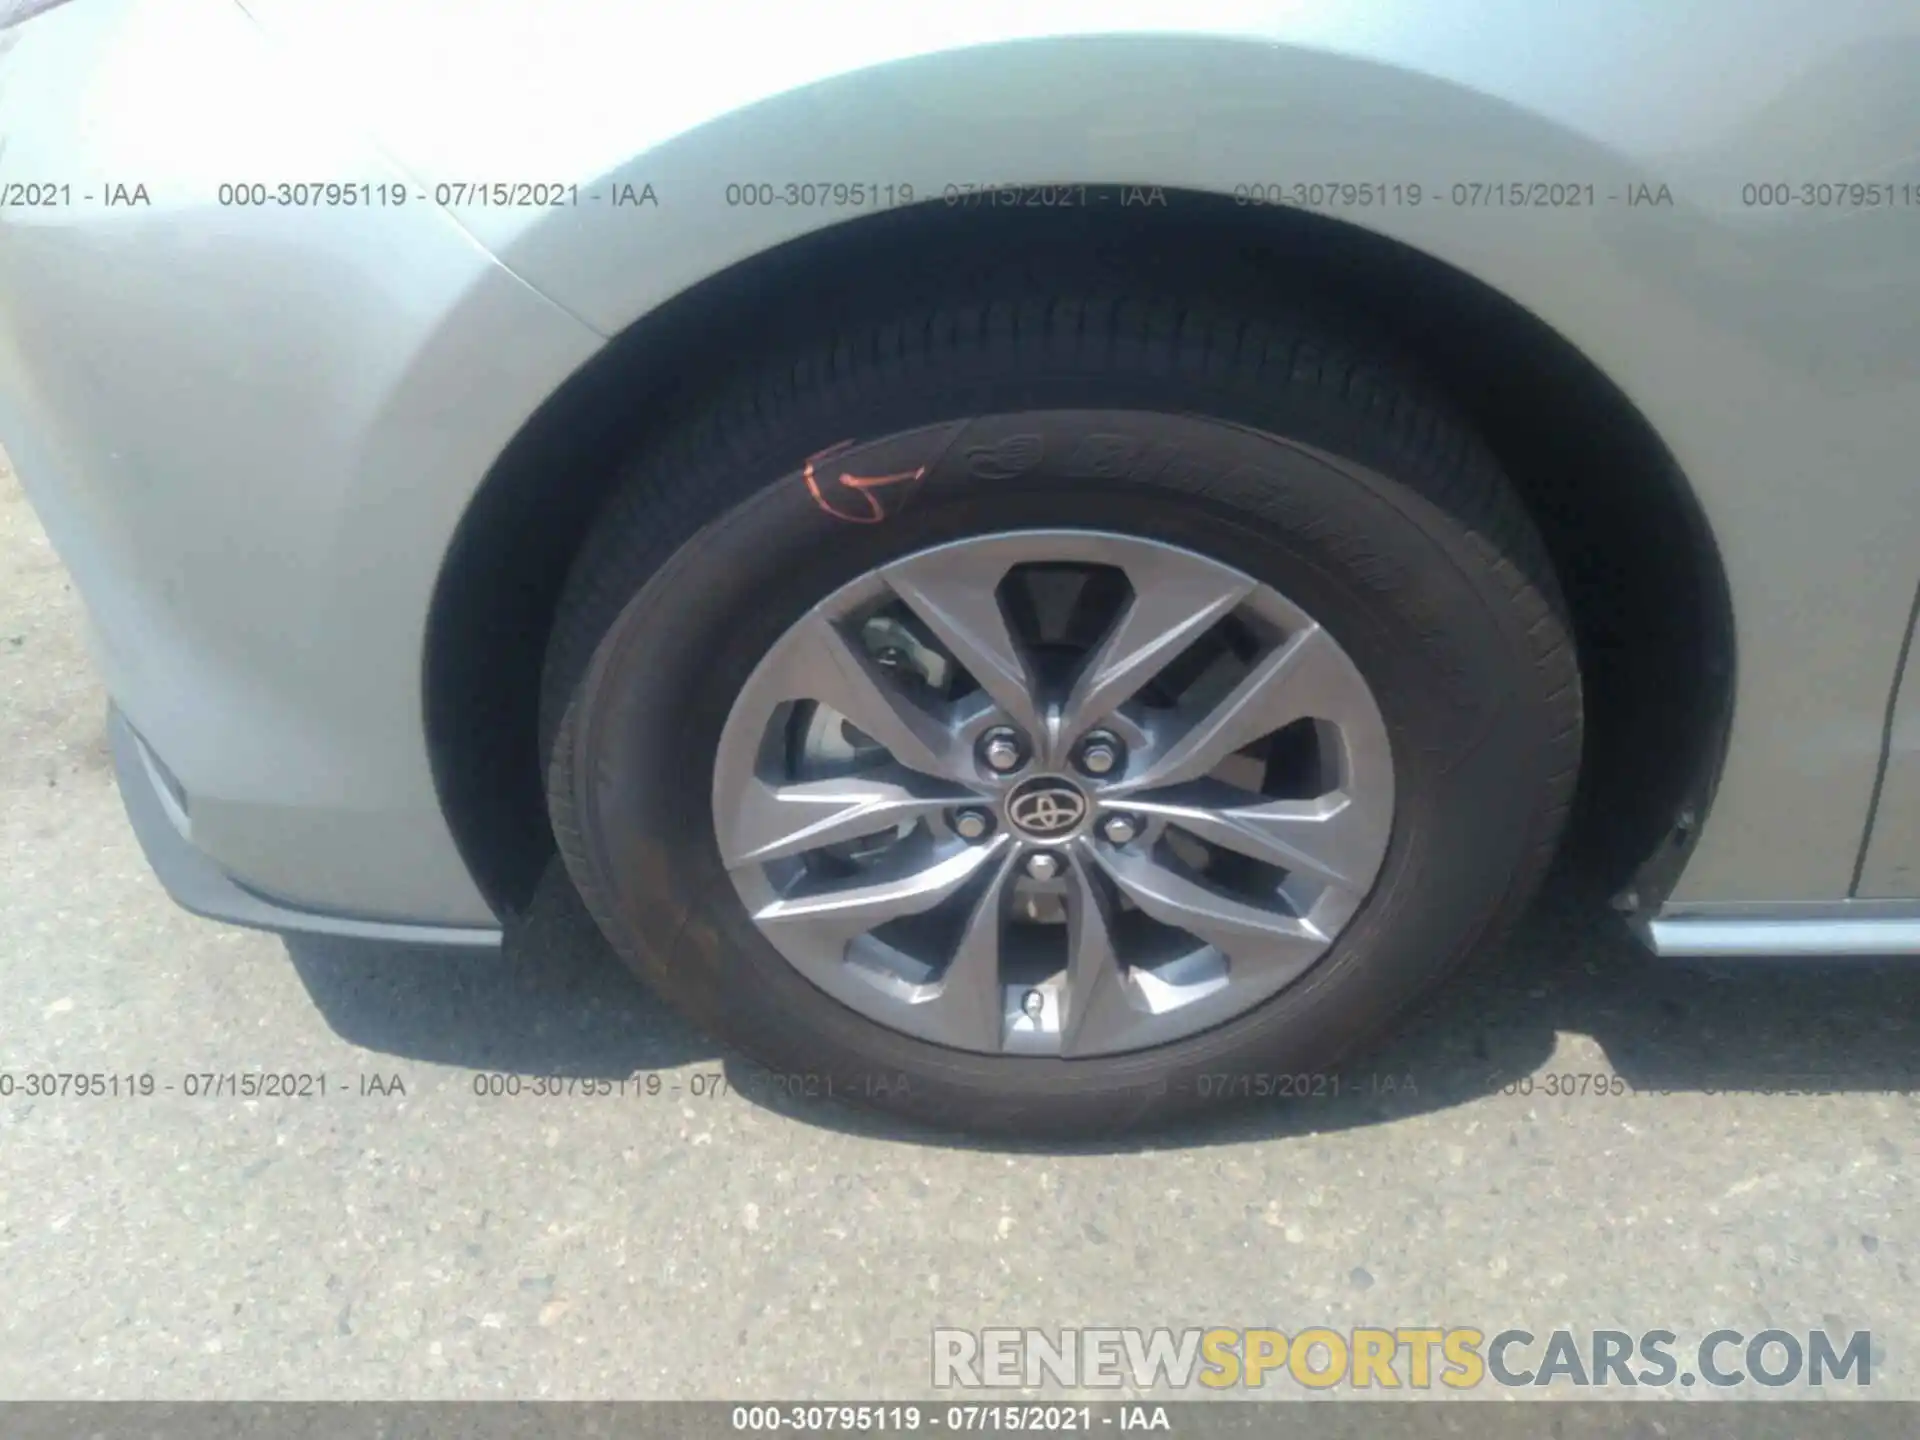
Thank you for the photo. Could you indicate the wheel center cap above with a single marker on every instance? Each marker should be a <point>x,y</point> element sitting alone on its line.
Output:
<point>1047,807</point>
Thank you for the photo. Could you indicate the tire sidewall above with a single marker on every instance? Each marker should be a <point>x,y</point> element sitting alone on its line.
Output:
<point>1403,588</point>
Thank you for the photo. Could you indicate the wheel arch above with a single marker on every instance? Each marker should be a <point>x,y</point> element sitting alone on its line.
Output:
<point>1644,576</point>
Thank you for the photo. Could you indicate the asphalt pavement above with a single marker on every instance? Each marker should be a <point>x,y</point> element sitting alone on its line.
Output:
<point>1744,1156</point>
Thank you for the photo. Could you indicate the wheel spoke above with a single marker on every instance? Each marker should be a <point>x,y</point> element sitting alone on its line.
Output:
<point>1100,1012</point>
<point>850,910</point>
<point>969,1008</point>
<point>1261,940</point>
<point>773,821</point>
<point>1309,676</point>
<point>1335,839</point>
<point>1176,598</point>
<point>824,664</point>
<point>955,593</point>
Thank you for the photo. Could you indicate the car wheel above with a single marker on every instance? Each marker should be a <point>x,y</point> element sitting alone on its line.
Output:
<point>1062,725</point>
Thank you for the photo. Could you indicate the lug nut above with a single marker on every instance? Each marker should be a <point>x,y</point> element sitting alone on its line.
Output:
<point>1119,829</point>
<point>1100,753</point>
<point>972,824</point>
<point>1043,866</point>
<point>1001,750</point>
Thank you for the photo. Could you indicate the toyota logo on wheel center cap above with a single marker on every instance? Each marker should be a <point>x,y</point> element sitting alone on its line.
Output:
<point>1046,807</point>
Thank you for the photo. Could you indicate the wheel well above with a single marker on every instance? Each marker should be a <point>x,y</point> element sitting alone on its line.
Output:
<point>1641,572</point>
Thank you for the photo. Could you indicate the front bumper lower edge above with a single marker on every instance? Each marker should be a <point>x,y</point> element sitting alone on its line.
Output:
<point>196,884</point>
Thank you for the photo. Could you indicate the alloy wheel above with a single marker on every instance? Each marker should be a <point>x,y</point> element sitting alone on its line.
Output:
<point>1053,792</point>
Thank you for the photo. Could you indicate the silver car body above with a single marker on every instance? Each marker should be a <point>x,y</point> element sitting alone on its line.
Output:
<point>253,431</point>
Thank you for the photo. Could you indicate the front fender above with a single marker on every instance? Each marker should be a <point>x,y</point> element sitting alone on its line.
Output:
<point>1767,347</point>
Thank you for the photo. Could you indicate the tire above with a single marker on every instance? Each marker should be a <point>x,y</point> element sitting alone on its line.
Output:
<point>1320,466</point>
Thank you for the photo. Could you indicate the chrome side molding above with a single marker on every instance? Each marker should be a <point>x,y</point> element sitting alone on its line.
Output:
<point>1800,928</point>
